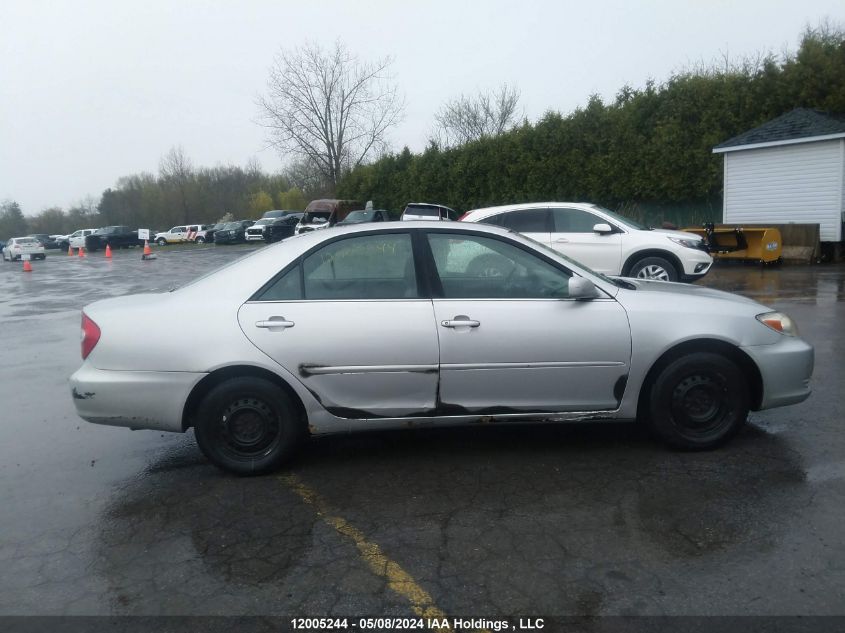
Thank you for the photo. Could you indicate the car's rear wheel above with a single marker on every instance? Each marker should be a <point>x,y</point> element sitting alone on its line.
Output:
<point>200,240</point>
<point>247,426</point>
<point>655,268</point>
<point>161,241</point>
<point>698,401</point>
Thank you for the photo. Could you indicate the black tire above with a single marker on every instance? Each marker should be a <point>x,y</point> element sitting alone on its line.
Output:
<point>697,402</point>
<point>200,240</point>
<point>161,241</point>
<point>248,426</point>
<point>655,268</point>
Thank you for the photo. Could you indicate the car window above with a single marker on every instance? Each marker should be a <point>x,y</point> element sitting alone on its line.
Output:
<point>474,267</point>
<point>428,212</point>
<point>287,288</point>
<point>528,221</point>
<point>365,267</point>
<point>574,221</point>
<point>495,220</point>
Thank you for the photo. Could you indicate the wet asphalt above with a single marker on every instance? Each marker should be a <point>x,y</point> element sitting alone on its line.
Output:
<point>569,520</point>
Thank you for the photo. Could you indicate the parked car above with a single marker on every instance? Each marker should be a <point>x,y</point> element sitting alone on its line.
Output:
<point>485,325</point>
<point>603,240</point>
<point>17,247</point>
<point>113,236</point>
<point>281,227</point>
<point>76,239</point>
<point>325,213</point>
<point>201,233</point>
<point>47,241</point>
<point>255,233</point>
<point>427,211</point>
<point>174,235</point>
<point>233,232</point>
<point>213,228</point>
<point>276,213</point>
<point>365,215</point>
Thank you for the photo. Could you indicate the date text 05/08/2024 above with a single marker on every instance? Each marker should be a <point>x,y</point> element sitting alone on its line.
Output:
<point>405,624</point>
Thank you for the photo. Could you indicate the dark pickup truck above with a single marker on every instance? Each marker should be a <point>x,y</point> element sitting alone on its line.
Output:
<point>114,236</point>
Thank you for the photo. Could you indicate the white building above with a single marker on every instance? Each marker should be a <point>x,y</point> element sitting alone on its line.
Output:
<point>789,170</point>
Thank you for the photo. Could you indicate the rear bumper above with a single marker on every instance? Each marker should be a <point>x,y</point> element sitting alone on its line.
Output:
<point>786,368</point>
<point>135,399</point>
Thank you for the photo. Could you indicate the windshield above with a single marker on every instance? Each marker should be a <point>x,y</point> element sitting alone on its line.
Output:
<point>262,222</point>
<point>317,216</point>
<point>232,225</point>
<point>623,219</point>
<point>359,216</point>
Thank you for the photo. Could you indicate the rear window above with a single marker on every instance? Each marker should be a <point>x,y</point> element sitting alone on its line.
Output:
<point>26,240</point>
<point>429,212</point>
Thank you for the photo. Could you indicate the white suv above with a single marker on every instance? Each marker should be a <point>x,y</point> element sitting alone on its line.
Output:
<point>603,240</point>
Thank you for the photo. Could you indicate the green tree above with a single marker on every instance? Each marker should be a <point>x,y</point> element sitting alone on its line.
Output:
<point>12,221</point>
<point>260,202</point>
<point>291,200</point>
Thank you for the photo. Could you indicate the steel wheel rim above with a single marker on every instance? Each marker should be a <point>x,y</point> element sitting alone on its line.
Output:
<point>701,405</point>
<point>653,271</point>
<point>248,429</point>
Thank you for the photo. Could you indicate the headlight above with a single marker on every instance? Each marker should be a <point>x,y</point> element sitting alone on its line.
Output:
<point>779,322</point>
<point>691,243</point>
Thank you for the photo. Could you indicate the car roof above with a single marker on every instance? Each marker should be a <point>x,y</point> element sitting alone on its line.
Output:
<point>228,280</point>
<point>485,211</point>
<point>434,205</point>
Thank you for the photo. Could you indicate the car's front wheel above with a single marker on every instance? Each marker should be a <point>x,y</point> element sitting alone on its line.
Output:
<point>655,268</point>
<point>247,426</point>
<point>200,240</point>
<point>161,241</point>
<point>698,401</point>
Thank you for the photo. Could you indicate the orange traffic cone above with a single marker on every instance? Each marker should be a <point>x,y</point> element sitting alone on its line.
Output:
<point>70,251</point>
<point>82,251</point>
<point>148,252</point>
<point>27,267</point>
<point>108,251</point>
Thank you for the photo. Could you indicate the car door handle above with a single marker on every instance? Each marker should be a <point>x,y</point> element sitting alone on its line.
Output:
<point>273,323</point>
<point>561,240</point>
<point>460,323</point>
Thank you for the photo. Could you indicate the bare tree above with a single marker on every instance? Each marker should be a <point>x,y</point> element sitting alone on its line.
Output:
<point>328,108</point>
<point>176,170</point>
<point>468,119</point>
<point>307,176</point>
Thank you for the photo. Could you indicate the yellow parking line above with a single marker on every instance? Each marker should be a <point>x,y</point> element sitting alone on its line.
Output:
<point>397,578</point>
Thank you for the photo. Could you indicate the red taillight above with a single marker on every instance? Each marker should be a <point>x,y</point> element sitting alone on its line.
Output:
<point>461,219</point>
<point>90,335</point>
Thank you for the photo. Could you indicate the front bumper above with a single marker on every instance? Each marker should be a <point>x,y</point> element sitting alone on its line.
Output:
<point>786,368</point>
<point>695,264</point>
<point>254,237</point>
<point>136,399</point>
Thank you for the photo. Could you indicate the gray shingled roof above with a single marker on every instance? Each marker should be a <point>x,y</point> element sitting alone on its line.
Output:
<point>799,124</point>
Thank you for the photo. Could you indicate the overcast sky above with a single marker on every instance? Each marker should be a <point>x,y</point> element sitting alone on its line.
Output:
<point>91,91</point>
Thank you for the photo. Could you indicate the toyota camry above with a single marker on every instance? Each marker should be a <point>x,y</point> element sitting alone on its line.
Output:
<point>402,324</point>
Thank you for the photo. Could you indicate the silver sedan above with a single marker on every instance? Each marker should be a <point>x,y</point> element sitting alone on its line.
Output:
<point>425,323</point>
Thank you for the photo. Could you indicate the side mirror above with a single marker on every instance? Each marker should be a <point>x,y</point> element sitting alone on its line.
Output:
<point>602,228</point>
<point>582,288</point>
